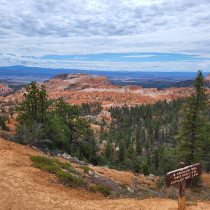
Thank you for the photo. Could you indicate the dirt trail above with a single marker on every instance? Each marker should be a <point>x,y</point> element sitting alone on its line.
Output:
<point>23,187</point>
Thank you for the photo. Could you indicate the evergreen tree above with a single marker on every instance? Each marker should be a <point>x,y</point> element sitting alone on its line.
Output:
<point>35,106</point>
<point>157,128</point>
<point>127,141</point>
<point>148,156</point>
<point>147,144</point>
<point>2,124</point>
<point>143,136</point>
<point>71,118</point>
<point>138,147</point>
<point>156,159</point>
<point>138,134</point>
<point>163,135</point>
<point>145,168</point>
<point>131,153</point>
<point>193,124</point>
<point>108,150</point>
<point>121,153</point>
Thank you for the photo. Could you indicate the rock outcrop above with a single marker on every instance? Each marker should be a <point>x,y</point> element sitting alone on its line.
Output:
<point>4,89</point>
<point>207,79</point>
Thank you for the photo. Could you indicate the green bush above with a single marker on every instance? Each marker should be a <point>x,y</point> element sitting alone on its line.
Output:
<point>68,178</point>
<point>85,168</point>
<point>145,168</point>
<point>48,164</point>
<point>104,190</point>
<point>160,182</point>
<point>86,150</point>
<point>93,189</point>
<point>196,181</point>
<point>2,123</point>
<point>49,168</point>
<point>123,186</point>
<point>40,159</point>
<point>54,166</point>
<point>67,166</point>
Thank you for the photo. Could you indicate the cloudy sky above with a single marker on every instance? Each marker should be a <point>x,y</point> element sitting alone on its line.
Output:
<point>133,35</point>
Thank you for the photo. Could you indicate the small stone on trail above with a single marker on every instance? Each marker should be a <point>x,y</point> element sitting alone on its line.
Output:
<point>48,154</point>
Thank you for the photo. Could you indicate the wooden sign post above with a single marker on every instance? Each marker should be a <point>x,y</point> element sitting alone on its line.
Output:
<point>179,176</point>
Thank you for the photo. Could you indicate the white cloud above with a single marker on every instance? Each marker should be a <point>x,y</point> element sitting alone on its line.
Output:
<point>7,60</point>
<point>106,65</point>
<point>70,27</point>
<point>138,56</point>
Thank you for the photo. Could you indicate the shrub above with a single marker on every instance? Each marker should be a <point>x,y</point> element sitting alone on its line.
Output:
<point>6,136</point>
<point>40,159</point>
<point>123,186</point>
<point>67,166</point>
<point>85,168</point>
<point>93,189</point>
<point>145,168</point>
<point>68,178</point>
<point>196,181</point>
<point>104,190</point>
<point>52,166</point>
<point>160,182</point>
<point>49,168</point>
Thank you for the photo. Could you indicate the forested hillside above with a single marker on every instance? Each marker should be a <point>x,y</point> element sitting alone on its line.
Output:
<point>155,138</point>
<point>145,136</point>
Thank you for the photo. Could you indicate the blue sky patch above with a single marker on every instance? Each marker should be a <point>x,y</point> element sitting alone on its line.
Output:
<point>127,57</point>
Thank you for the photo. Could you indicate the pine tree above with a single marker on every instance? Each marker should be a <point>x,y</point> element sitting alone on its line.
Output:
<point>145,168</point>
<point>131,153</point>
<point>163,135</point>
<point>138,134</point>
<point>35,106</point>
<point>156,158</point>
<point>108,150</point>
<point>127,141</point>
<point>148,156</point>
<point>138,147</point>
<point>193,124</point>
<point>70,116</point>
<point>121,153</point>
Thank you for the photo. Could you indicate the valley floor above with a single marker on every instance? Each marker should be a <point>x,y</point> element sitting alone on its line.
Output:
<point>23,187</point>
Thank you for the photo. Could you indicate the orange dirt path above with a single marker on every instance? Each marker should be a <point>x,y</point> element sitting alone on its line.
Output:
<point>23,187</point>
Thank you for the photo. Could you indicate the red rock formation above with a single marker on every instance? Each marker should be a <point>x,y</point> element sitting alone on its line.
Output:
<point>106,115</point>
<point>83,88</point>
<point>4,89</point>
<point>207,78</point>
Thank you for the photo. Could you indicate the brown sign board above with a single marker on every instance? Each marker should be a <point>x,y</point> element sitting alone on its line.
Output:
<point>183,174</point>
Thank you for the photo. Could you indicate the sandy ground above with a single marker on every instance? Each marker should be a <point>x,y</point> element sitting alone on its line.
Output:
<point>23,187</point>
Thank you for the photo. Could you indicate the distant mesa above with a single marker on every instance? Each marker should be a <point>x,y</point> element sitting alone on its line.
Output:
<point>78,81</point>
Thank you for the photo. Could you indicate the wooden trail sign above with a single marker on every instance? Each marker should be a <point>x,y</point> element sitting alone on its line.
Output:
<point>183,174</point>
<point>179,176</point>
